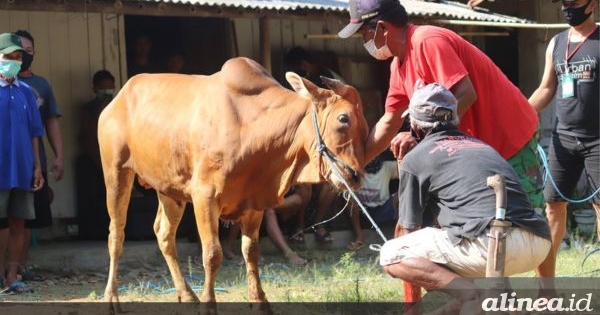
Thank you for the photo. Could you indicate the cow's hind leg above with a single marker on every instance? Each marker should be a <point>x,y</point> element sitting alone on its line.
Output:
<point>250,226</point>
<point>167,220</point>
<point>207,219</point>
<point>118,192</point>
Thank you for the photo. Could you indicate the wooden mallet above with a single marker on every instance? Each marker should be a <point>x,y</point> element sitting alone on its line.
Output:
<point>496,255</point>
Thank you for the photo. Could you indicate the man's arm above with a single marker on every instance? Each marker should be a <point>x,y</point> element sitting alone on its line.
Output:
<point>542,96</point>
<point>382,133</point>
<point>38,179</point>
<point>55,140</point>
<point>400,230</point>
<point>465,94</point>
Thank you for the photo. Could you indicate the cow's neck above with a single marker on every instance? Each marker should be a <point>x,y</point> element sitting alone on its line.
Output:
<point>305,166</point>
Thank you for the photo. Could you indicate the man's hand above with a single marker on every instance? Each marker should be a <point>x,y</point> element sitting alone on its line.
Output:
<point>57,170</point>
<point>38,179</point>
<point>402,144</point>
<point>400,230</point>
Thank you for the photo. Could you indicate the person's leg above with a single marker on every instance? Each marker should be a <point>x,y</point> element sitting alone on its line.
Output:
<point>227,246</point>
<point>359,236</point>
<point>4,202</point>
<point>565,167</point>
<point>592,167</point>
<point>327,197</point>
<point>556,212</point>
<point>15,247</point>
<point>25,250</point>
<point>422,258</point>
<point>43,218</point>
<point>294,205</point>
<point>526,164</point>
<point>276,236</point>
<point>3,249</point>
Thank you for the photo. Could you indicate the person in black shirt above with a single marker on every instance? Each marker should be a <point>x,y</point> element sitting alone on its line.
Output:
<point>445,175</point>
<point>571,78</point>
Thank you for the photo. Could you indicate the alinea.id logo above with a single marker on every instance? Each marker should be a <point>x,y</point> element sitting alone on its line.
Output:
<point>513,303</point>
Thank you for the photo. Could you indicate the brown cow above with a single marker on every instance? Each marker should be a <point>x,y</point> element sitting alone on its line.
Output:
<point>232,143</point>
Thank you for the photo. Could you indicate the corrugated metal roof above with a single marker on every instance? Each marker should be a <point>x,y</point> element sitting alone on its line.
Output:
<point>439,9</point>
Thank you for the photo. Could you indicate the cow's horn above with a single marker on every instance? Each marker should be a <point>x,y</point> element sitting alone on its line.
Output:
<point>335,85</point>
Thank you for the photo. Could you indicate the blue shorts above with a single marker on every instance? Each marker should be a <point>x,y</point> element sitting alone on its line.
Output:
<point>568,156</point>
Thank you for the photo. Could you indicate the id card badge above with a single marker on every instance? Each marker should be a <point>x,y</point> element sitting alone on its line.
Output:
<point>568,86</point>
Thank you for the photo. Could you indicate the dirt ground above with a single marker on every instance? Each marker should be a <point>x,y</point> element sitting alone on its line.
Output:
<point>145,282</point>
<point>75,286</point>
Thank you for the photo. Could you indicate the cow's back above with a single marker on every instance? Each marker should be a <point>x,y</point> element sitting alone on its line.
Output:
<point>152,120</point>
<point>169,128</point>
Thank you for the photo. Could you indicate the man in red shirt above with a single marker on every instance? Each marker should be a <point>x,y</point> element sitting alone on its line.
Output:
<point>490,107</point>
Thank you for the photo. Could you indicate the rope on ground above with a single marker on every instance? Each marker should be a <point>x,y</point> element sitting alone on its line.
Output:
<point>161,288</point>
<point>592,272</point>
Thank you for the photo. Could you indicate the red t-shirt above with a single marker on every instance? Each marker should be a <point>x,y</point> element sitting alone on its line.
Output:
<point>501,115</point>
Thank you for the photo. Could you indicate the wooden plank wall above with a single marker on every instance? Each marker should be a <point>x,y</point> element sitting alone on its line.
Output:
<point>285,34</point>
<point>70,47</point>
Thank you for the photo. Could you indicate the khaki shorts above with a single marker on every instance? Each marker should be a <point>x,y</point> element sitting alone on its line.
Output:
<point>524,251</point>
<point>16,204</point>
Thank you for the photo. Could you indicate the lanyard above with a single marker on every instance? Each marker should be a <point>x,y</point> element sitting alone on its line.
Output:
<point>569,55</point>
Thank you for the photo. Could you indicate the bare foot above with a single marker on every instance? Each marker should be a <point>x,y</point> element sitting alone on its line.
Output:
<point>356,245</point>
<point>295,260</point>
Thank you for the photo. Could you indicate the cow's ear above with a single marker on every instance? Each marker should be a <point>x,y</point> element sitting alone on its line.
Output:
<point>300,85</point>
<point>353,97</point>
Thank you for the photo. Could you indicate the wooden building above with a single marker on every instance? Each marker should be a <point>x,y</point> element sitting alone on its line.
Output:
<point>74,39</point>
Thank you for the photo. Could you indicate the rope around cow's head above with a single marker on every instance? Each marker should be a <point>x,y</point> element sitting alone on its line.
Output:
<point>332,159</point>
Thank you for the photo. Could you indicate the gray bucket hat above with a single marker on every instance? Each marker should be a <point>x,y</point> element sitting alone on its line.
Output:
<point>426,101</point>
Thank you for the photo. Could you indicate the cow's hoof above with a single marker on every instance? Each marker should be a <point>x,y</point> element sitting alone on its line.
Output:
<point>208,308</point>
<point>261,308</point>
<point>187,297</point>
<point>114,307</point>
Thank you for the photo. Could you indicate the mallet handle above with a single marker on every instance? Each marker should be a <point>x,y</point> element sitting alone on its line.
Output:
<point>498,184</point>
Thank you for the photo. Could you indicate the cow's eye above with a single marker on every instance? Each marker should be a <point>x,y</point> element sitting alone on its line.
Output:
<point>344,119</point>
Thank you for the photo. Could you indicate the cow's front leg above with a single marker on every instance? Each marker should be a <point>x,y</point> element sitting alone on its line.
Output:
<point>250,226</point>
<point>167,220</point>
<point>207,220</point>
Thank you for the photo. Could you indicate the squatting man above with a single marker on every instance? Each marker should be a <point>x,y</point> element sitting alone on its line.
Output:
<point>444,178</point>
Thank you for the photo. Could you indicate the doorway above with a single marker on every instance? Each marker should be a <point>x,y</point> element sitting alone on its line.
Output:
<point>202,45</point>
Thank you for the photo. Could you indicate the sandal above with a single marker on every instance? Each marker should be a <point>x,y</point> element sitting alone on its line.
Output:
<point>30,275</point>
<point>17,287</point>
<point>356,245</point>
<point>323,238</point>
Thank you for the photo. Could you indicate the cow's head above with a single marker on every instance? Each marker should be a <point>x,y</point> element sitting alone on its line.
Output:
<point>341,126</point>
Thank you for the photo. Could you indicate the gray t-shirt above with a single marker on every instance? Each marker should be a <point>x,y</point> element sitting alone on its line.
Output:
<point>446,175</point>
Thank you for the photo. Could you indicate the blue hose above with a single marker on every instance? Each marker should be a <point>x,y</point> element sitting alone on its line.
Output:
<point>547,176</point>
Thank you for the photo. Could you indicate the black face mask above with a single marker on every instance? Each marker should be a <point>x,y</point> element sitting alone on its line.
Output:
<point>27,60</point>
<point>576,16</point>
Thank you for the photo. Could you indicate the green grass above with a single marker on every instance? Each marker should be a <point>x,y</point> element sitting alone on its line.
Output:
<point>334,276</point>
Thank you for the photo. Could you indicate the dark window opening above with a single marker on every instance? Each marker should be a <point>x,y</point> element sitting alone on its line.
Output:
<point>176,44</point>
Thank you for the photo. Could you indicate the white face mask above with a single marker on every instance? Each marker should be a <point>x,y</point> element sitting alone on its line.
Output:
<point>381,53</point>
